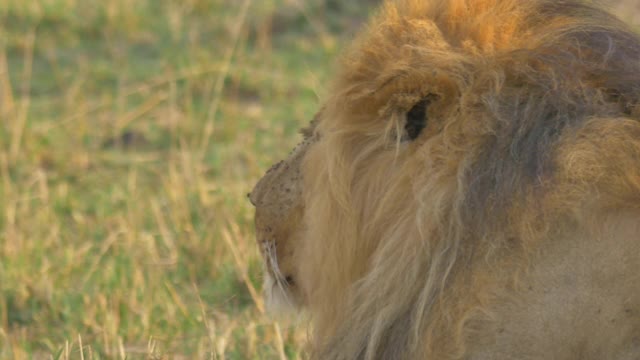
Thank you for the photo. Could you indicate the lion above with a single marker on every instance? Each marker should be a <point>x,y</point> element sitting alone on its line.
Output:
<point>470,189</point>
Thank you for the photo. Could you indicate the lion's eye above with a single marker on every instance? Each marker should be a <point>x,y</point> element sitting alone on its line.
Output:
<point>289,280</point>
<point>417,118</point>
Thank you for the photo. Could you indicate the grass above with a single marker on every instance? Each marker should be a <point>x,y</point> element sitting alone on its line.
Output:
<point>130,132</point>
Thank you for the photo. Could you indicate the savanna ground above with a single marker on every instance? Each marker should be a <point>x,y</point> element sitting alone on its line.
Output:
<point>130,132</point>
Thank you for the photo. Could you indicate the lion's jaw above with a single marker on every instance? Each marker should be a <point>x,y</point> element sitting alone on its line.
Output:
<point>278,299</point>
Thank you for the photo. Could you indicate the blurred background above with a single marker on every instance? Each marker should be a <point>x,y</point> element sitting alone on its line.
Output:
<point>130,133</point>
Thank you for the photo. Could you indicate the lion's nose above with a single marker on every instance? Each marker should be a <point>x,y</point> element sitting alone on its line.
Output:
<point>253,202</point>
<point>256,196</point>
<point>256,193</point>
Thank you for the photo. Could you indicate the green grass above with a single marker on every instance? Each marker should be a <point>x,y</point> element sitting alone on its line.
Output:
<point>130,132</point>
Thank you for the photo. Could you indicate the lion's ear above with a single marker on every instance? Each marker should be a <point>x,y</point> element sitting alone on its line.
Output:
<point>417,117</point>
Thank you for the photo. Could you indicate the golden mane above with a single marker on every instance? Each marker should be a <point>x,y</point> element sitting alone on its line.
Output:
<point>532,132</point>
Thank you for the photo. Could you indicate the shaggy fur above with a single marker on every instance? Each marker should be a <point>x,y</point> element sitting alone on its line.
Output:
<point>508,227</point>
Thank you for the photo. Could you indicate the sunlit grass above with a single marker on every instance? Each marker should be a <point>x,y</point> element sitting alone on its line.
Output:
<point>130,133</point>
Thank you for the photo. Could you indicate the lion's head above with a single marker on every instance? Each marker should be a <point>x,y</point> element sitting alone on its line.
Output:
<point>460,136</point>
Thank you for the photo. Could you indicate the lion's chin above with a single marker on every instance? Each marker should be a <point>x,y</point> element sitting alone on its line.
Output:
<point>278,300</point>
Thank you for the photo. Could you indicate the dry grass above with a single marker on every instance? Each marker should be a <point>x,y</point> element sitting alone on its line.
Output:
<point>130,132</point>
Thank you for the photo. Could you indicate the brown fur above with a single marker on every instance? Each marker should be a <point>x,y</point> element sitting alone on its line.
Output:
<point>490,235</point>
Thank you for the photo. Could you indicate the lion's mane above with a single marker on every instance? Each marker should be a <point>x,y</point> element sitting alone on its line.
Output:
<point>533,128</point>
